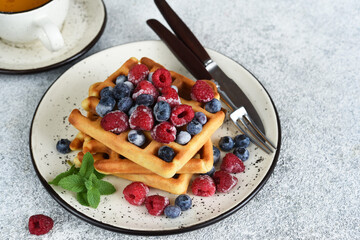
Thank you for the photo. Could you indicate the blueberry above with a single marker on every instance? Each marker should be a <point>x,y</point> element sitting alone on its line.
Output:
<point>172,211</point>
<point>216,153</point>
<point>125,104</point>
<point>63,146</point>
<point>166,153</point>
<point>145,99</point>
<point>107,92</point>
<point>201,117</point>
<point>162,111</point>
<point>241,141</point>
<point>121,79</point>
<point>130,85</point>
<point>121,91</point>
<point>226,143</point>
<point>136,137</point>
<point>194,127</point>
<point>132,109</point>
<point>210,173</point>
<point>150,77</point>
<point>213,106</point>
<point>183,201</point>
<point>105,106</point>
<point>242,153</point>
<point>175,87</point>
<point>183,138</point>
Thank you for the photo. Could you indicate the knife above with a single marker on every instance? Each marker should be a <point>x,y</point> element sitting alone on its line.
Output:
<point>200,66</point>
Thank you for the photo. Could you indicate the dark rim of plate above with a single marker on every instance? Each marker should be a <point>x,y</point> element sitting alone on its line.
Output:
<point>163,232</point>
<point>67,60</point>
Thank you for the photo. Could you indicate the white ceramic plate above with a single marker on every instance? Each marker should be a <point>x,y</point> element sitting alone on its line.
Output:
<point>114,213</point>
<point>83,26</point>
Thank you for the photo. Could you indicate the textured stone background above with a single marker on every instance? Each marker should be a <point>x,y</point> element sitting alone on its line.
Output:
<point>307,55</point>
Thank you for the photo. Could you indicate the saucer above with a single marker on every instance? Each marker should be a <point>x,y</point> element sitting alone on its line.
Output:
<point>82,28</point>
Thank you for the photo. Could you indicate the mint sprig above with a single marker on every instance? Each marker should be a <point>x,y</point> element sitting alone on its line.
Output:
<point>86,182</point>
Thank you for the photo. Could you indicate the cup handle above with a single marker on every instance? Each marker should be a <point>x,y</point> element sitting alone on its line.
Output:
<point>49,34</point>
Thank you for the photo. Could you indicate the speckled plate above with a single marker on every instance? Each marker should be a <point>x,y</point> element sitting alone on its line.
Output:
<point>114,213</point>
<point>83,26</point>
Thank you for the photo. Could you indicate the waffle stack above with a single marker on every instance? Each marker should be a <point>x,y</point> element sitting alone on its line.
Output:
<point>113,154</point>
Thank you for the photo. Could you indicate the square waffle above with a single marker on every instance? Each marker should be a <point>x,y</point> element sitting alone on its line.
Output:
<point>147,156</point>
<point>110,162</point>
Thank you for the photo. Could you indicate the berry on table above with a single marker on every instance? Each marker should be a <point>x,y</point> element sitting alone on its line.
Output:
<point>242,153</point>
<point>121,90</point>
<point>213,106</point>
<point>145,99</point>
<point>172,211</point>
<point>115,122</point>
<point>132,109</point>
<point>136,137</point>
<point>155,204</point>
<point>141,118</point>
<point>202,92</point>
<point>241,141</point>
<point>164,132</point>
<point>210,173</point>
<point>138,73</point>
<point>224,181</point>
<point>166,153</point>
<point>203,186</point>
<point>183,137</point>
<point>161,78</point>
<point>184,202</point>
<point>107,92</point>
<point>40,224</point>
<point>232,164</point>
<point>162,111</point>
<point>226,143</point>
<point>194,127</point>
<point>63,146</point>
<point>181,115</point>
<point>201,117</point>
<point>216,154</point>
<point>105,106</point>
<point>129,85</point>
<point>135,193</point>
<point>125,104</point>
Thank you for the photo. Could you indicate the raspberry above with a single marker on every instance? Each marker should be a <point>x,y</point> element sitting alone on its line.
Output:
<point>116,122</point>
<point>145,87</point>
<point>181,115</point>
<point>141,118</point>
<point>202,92</point>
<point>138,73</point>
<point>232,164</point>
<point>170,96</point>
<point>224,181</point>
<point>135,193</point>
<point>40,224</point>
<point>156,204</point>
<point>164,132</point>
<point>203,186</point>
<point>161,78</point>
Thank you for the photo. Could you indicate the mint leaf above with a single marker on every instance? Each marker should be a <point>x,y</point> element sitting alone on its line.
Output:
<point>56,180</point>
<point>87,165</point>
<point>88,184</point>
<point>94,180</point>
<point>82,198</point>
<point>99,175</point>
<point>93,197</point>
<point>74,183</point>
<point>106,188</point>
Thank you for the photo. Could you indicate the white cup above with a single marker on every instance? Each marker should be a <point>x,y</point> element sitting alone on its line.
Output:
<point>43,23</point>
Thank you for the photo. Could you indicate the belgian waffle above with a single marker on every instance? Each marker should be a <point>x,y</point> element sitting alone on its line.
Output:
<point>110,162</point>
<point>147,156</point>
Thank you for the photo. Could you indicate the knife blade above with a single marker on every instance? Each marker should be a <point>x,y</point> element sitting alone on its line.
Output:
<point>229,91</point>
